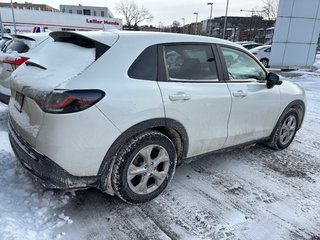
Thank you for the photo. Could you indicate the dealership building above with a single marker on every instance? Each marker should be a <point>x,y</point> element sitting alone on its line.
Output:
<point>40,18</point>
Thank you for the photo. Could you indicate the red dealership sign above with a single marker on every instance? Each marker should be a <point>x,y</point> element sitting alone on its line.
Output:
<point>95,21</point>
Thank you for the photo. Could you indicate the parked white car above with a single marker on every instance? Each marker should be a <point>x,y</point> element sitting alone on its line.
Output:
<point>119,110</point>
<point>263,54</point>
<point>13,55</point>
<point>251,45</point>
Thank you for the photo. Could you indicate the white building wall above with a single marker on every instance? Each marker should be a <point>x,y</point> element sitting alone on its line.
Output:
<point>296,34</point>
<point>57,20</point>
<point>98,10</point>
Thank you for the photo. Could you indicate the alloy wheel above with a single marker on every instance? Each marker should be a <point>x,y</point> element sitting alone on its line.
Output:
<point>288,129</point>
<point>148,169</point>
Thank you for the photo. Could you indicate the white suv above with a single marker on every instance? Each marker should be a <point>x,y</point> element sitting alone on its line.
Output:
<point>119,110</point>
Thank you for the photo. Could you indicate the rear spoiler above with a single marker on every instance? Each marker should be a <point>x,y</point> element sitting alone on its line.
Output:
<point>80,40</point>
<point>22,37</point>
<point>6,37</point>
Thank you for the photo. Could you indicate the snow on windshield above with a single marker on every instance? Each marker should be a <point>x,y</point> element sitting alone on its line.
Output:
<point>61,60</point>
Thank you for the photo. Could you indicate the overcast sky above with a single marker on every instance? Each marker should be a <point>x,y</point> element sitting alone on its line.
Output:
<point>166,11</point>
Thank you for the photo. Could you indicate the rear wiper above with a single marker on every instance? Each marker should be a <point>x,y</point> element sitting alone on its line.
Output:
<point>33,64</point>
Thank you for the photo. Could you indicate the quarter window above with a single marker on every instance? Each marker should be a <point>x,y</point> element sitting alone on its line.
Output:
<point>241,66</point>
<point>145,66</point>
<point>190,62</point>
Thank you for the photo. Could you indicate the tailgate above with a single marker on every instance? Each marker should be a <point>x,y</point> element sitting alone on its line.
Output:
<point>50,65</point>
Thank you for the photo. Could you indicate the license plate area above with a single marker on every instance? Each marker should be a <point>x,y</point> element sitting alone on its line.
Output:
<point>19,100</point>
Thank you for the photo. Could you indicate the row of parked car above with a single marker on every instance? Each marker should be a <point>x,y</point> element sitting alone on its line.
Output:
<point>13,53</point>
<point>262,52</point>
<point>120,110</point>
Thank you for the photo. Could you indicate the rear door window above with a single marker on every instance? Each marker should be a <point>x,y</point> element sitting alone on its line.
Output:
<point>190,62</point>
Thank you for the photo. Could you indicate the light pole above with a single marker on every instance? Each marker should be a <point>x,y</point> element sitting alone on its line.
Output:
<point>225,20</point>
<point>210,25</point>
<point>1,26</point>
<point>160,26</point>
<point>14,19</point>
<point>183,22</point>
<point>252,12</point>
<point>196,28</point>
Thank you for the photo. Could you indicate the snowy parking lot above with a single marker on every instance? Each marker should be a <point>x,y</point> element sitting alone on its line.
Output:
<point>254,193</point>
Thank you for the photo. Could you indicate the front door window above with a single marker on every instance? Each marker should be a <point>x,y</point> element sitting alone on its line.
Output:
<point>241,66</point>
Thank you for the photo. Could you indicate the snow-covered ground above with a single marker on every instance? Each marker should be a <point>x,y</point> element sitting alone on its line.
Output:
<point>254,193</point>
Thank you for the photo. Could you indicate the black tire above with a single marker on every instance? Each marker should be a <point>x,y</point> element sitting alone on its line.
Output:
<point>149,159</point>
<point>265,62</point>
<point>285,130</point>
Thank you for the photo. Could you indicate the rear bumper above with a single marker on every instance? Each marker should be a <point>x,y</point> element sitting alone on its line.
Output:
<point>43,169</point>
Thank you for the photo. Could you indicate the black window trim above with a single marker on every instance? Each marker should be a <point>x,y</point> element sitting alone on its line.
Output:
<point>162,75</point>
<point>157,64</point>
<point>80,40</point>
<point>224,65</point>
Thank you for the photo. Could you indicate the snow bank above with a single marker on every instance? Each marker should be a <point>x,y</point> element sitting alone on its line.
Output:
<point>27,211</point>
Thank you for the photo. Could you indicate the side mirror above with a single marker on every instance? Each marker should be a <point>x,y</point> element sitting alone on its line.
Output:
<point>272,80</point>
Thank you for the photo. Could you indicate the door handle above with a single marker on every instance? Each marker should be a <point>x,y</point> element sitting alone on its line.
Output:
<point>180,96</point>
<point>240,94</point>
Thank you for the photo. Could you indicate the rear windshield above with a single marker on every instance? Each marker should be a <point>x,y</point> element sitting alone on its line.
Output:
<point>18,46</point>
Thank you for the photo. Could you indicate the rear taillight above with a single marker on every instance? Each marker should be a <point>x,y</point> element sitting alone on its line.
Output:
<point>20,61</point>
<point>254,53</point>
<point>16,62</point>
<point>64,101</point>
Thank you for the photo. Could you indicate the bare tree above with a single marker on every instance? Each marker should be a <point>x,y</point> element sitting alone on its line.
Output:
<point>132,13</point>
<point>175,26</point>
<point>270,9</point>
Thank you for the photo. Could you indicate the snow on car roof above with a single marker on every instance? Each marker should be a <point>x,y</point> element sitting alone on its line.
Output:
<point>38,37</point>
<point>173,37</point>
<point>155,37</point>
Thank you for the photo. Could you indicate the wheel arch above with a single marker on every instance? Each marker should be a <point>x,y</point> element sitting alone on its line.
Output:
<point>169,127</point>
<point>265,58</point>
<point>299,106</point>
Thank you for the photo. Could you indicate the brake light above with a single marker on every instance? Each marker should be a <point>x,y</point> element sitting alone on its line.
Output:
<point>16,62</point>
<point>20,61</point>
<point>64,101</point>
